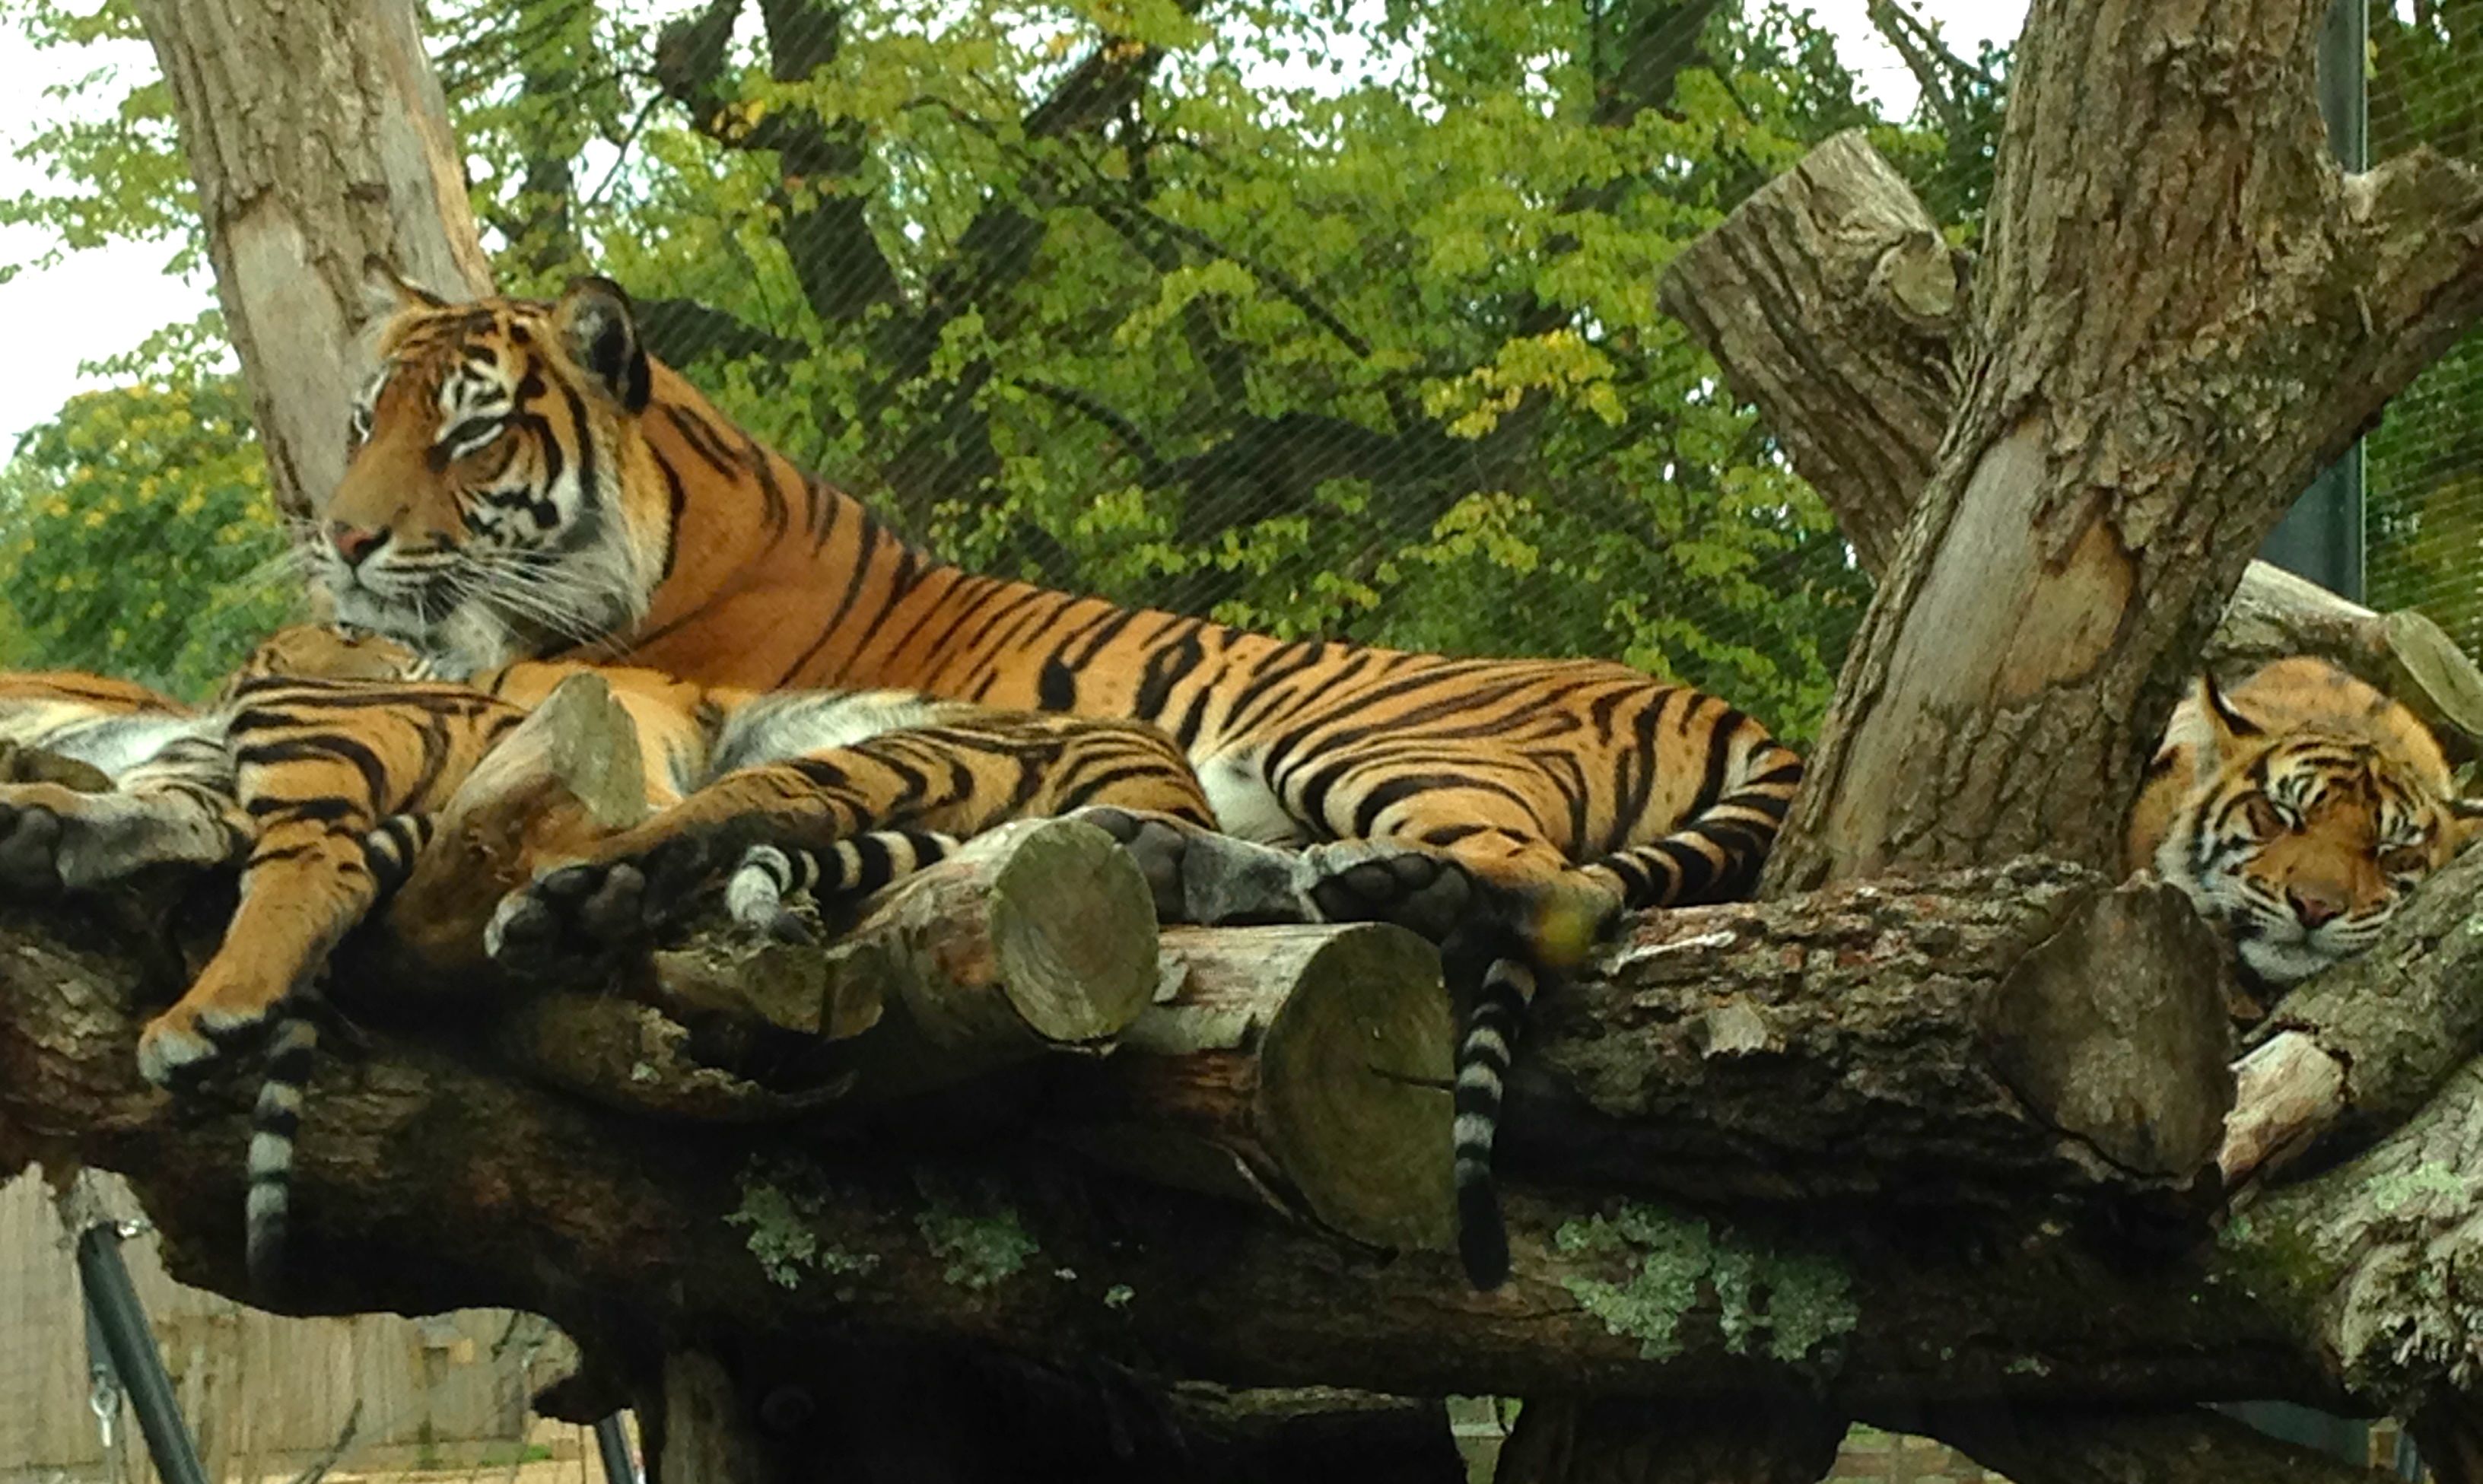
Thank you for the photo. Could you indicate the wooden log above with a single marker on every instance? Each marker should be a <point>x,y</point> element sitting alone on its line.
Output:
<point>1037,939</point>
<point>1767,1439</point>
<point>567,776</point>
<point>1303,1069</point>
<point>1832,303</point>
<point>425,1183</point>
<point>1970,1040</point>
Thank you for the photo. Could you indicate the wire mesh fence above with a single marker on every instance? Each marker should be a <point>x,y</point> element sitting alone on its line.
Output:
<point>1329,316</point>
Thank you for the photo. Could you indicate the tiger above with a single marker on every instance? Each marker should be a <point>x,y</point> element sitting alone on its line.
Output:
<point>322,787</point>
<point>523,479</point>
<point>2296,810</point>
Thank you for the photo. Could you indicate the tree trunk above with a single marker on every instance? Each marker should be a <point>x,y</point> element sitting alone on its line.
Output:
<point>1831,301</point>
<point>2185,311</point>
<point>318,137</point>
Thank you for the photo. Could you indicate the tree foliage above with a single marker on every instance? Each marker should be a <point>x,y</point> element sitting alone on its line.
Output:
<point>1319,316</point>
<point>138,527</point>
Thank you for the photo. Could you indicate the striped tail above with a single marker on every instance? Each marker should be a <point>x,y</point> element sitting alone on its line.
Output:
<point>274,1124</point>
<point>767,874</point>
<point>1507,988</point>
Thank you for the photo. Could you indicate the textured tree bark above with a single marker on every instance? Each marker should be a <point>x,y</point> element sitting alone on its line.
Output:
<point>1832,303</point>
<point>318,137</point>
<point>426,1182</point>
<point>2184,311</point>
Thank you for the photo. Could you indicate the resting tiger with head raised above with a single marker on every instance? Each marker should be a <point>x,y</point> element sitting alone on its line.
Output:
<point>2296,810</point>
<point>319,773</point>
<point>524,479</point>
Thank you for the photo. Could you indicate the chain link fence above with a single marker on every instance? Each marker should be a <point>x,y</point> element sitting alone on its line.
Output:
<point>1327,316</point>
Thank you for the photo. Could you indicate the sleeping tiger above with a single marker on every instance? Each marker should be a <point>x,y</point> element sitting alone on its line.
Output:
<point>2296,810</point>
<point>322,786</point>
<point>524,479</point>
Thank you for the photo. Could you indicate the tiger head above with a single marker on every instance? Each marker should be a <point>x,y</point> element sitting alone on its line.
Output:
<point>484,512</point>
<point>2296,810</point>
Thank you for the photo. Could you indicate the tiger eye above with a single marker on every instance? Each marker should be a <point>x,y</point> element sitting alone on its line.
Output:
<point>2262,815</point>
<point>2404,859</point>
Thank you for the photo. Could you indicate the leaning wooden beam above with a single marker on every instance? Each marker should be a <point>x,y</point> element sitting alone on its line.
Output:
<point>1832,301</point>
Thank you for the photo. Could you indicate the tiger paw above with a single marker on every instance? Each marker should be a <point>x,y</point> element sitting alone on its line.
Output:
<point>31,835</point>
<point>1382,880</point>
<point>570,915</point>
<point>184,1040</point>
<point>1198,876</point>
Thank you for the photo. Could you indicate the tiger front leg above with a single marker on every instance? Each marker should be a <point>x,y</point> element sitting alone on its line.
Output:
<point>299,898</point>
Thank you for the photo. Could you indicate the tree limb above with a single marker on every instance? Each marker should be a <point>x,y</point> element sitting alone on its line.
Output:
<point>1832,303</point>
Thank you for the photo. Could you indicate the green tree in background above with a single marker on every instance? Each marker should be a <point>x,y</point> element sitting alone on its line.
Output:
<point>2424,463</point>
<point>138,529</point>
<point>1317,317</point>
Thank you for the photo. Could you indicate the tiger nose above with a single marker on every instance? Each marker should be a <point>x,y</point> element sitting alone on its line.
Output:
<point>354,543</point>
<point>2313,908</point>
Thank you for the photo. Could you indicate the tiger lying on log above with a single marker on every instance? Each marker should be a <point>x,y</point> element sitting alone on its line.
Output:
<point>320,769</point>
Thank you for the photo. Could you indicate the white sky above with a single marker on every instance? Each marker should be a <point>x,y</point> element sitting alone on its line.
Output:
<point>101,303</point>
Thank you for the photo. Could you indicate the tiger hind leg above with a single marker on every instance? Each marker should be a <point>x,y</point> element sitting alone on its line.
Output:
<point>54,838</point>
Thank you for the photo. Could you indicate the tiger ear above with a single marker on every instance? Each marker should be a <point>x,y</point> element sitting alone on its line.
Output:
<point>386,292</point>
<point>2226,724</point>
<point>2212,729</point>
<point>600,333</point>
<point>2465,823</point>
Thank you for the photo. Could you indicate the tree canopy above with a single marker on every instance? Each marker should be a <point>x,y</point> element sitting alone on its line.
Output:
<point>1317,317</point>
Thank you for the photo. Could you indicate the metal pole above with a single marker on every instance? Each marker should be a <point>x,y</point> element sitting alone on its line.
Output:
<point>612,1440</point>
<point>122,1321</point>
<point>2321,537</point>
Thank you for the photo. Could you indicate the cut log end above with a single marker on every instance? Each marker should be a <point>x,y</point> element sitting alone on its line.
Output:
<point>1353,1087</point>
<point>1300,1068</point>
<point>2115,1030</point>
<point>1073,933</point>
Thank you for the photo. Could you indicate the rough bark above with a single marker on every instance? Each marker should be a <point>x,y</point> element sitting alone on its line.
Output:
<point>1966,1041</point>
<point>425,1183</point>
<point>1833,304</point>
<point>318,137</point>
<point>2184,311</point>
